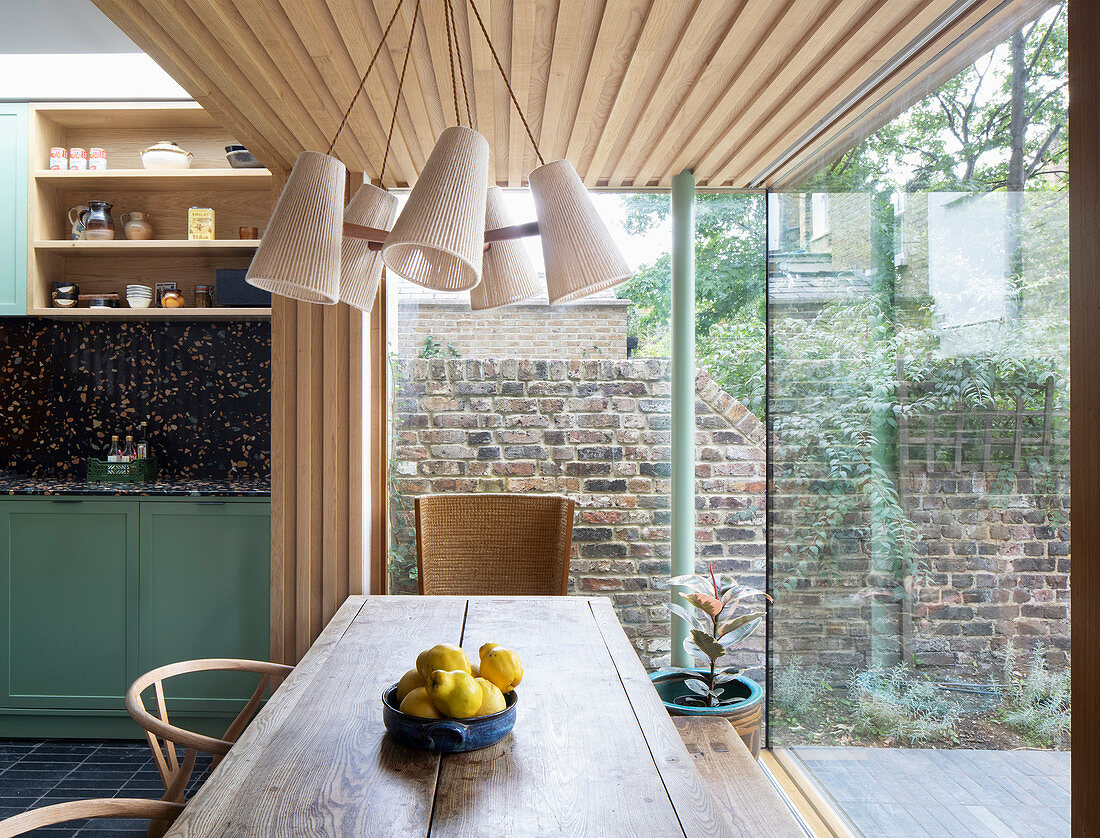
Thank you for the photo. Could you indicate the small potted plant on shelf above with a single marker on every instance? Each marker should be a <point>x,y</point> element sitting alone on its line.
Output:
<point>716,626</point>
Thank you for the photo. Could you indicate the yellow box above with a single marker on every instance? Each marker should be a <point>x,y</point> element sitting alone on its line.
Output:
<point>200,224</point>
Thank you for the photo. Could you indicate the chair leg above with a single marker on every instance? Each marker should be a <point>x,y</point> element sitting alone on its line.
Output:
<point>178,787</point>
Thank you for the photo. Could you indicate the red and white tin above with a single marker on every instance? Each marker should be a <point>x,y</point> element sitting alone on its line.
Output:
<point>59,158</point>
<point>78,159</point>
<point>97,158</point>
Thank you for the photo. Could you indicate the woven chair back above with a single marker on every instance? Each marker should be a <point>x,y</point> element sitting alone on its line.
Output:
<point>493,544</point>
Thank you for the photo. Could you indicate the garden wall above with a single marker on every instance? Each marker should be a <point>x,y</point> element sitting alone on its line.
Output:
<point>598,431</point>
<point>591,329</point>
<point>993,566</point>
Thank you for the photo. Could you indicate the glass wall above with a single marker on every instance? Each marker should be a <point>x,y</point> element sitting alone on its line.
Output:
<point>918,418</point>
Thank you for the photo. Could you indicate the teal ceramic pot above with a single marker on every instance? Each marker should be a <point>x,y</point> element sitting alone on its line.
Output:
<point>744,712</point>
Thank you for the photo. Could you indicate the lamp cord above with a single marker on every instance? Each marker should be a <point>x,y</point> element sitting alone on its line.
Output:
<point>451,58</point>
<point>397,95</point>
<point>507,83</point>
<point>363,80</point>
<point>461,72</point>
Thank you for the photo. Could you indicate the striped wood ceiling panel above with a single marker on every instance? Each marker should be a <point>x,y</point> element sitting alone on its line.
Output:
<point>744,92</point>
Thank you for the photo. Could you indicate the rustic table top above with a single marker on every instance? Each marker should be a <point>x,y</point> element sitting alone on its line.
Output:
<point>593,751</point>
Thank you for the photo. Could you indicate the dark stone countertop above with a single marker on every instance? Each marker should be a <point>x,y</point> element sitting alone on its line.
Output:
<point>228,487</point>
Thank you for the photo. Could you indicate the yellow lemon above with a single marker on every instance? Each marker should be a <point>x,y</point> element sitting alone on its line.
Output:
<point>455,693</point>
<point>445,656</point>
<point>409,682</point>
<point>419,703</point>
<point>501,666</point>
<point>492,698</point>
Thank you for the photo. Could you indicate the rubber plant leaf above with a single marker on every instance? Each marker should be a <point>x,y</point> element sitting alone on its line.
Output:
<point>709,605</point>
<point>695,651</point>
<point>697,686</point>
<point>736,623</point>
<point>710,647</point>
<point>683,614</point>
<point>739,634</point>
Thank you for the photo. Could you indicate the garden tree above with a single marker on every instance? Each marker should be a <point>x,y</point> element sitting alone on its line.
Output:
<point>729,288</point>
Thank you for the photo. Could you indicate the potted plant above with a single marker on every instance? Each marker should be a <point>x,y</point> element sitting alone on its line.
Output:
<point>716,627</point>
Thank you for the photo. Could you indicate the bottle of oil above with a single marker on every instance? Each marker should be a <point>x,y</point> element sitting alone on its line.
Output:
<point>114,455</point>
<point>141,448</point>
<point>128,450</point>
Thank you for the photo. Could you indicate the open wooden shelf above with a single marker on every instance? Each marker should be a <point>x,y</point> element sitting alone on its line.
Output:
<point>153,313</point>
<point>239,198</point>
<point>155,180</point>
<point>154,247</point>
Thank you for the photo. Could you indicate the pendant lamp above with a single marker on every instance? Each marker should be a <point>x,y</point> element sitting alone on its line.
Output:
<point>581,257</point>
<point>438,237</point>
<point>299,256</point>
<point>361,267</point>
<point>507,275</point>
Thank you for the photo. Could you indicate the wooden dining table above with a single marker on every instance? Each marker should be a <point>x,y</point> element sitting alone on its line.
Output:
<point>593,751</point>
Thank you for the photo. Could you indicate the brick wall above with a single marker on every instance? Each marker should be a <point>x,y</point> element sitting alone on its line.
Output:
<point>597,430</point>
<point>595,329</point>
<point>994,567</point>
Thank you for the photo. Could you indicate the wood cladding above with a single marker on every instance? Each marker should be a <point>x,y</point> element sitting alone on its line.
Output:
<point>317,470</point>
<point>744,92</point>
<point>1084,337</point>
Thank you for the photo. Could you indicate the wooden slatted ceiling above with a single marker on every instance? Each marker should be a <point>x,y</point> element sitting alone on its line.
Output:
<point>744,92</point>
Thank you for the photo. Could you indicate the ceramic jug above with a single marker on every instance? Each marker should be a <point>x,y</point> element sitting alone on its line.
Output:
<point>98,224</point>
<point>77,224</point>
<point>136,225</point>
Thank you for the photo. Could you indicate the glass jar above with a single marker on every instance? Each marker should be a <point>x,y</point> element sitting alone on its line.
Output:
<point>204,296</point>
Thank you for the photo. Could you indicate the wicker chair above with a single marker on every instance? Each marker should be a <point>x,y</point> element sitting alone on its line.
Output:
<point>161,813</point>
<point>493,545</point>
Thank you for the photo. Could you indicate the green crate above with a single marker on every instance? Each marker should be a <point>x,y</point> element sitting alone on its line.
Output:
<point>137,471</point>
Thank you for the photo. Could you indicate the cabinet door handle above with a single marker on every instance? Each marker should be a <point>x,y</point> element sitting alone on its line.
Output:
<point>210,502</point>
<point>66,500</point>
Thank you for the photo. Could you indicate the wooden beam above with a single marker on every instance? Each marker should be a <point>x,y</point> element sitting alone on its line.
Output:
<point>1084,342</point>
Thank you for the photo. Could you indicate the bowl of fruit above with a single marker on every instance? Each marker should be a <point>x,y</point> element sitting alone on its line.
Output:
<point>447,704</point>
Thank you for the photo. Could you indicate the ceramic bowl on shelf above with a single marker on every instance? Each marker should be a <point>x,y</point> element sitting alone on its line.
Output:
<point>138,302</point>
<point>240,157</point>
<point>166,155</point>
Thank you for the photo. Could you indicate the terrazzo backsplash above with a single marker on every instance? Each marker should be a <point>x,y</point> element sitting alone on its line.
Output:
<point>204,389</point>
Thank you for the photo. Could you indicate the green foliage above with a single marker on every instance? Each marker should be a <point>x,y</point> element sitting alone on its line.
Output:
<point>1036,700</point>
<point>897,703</point>
<point>959,137</point>
<point>729,267</point>
<point>797,687</point>
<point>400,557</point>
<point>432,348</point>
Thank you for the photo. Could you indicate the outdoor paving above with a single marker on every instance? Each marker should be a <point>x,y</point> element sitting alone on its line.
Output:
<point>40,772</point>
<point>925,793</point>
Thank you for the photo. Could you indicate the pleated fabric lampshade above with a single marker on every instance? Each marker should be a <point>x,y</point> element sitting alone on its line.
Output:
<point>361,267</point>
<point>507,275</point>
<point>437,240</point>
<point>581,257</point>
<point>299,256</point>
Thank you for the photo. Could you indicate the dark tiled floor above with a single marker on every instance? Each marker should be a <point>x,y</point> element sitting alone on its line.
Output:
<point>39,772</point>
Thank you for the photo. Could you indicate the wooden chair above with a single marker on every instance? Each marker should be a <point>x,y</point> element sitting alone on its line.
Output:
<point>493,545</point>
<point>158,811</point>
<point>164,736</point>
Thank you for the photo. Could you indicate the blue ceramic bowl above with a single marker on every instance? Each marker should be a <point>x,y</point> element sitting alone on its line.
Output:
<point>448,735</point>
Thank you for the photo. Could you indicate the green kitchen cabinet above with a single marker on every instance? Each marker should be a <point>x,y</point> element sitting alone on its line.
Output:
<point>13,209</point>
<point>96,591</point>
<point>205,593</point>
<point>69,572</point>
